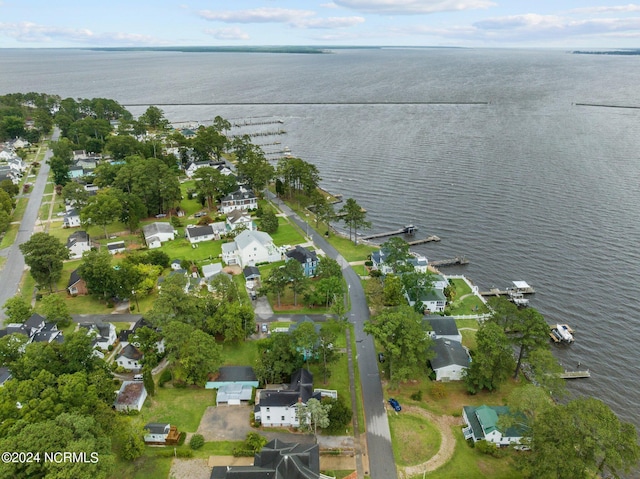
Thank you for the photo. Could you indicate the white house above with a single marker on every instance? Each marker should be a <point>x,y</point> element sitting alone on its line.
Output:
<point>116,247</point>
<point>433,300</point>
<point>130,358</point>
<point>242,199</point>
<point>104,334</point>
<point>161,434</point>
<point>77,243</point>
<point>211,270</point>
<point>157,233</point>
<point>71,219</point>
<point>278,407</point>
<point>197,234</point>
<point>450,361</point>
<point>130,396</point>
<point>443,327</point>
<point>482,423</point>
<point>239,219</point>
<point>250,248</point>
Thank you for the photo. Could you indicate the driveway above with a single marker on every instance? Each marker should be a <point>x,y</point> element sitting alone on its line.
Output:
<point>225,423</point>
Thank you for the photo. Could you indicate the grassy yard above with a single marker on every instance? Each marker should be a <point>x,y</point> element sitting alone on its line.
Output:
<point>183,407</point>
<point>9,236</point>
<point>468,463</point>
<point>21,206</point>
<point>240,354</point>
<point>203,252</point>
<point>464,301</point>
<point>287,234</point>
<point>415,440</point>
<point>349,251</point>
<point>149,466</point>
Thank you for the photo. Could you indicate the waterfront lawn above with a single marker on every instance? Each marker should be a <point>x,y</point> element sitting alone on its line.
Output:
<point>349,251</point>
<point>468,305</point>
<point>469,463</point>
<point>182,407</point>
<point>415,440</point>
<point>287,234</point>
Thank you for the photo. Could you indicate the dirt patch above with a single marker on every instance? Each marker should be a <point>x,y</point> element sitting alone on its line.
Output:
<point>233,269</point>
<point>190,469</point>
<point>225,423</point>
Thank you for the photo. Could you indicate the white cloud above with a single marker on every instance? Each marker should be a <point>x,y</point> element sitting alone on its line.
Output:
<point>293,18</point>
<point>412,7</point>
<point>29,32</point>
<point>258,15</point>
<point>231,33</point>
<point>323,5</point>
<point>606,9</point>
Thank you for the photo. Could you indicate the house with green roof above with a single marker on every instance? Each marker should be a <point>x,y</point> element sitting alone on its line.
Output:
<point>483,423</point>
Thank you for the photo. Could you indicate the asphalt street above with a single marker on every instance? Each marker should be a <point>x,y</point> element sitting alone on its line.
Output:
<point>14,267</point>
<point>380,451</point>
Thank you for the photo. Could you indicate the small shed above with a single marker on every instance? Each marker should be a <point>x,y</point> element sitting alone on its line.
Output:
<point>163,434</point>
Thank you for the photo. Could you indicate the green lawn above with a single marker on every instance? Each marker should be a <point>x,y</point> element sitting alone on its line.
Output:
<point>204,252</point>
<point>149,466</point>
<point>349,251</point>
<point>468,463</point>
<point>21,206</point>
<point>239,354</point>
<point>182,407</point>
<point>9,236</point>
<point>415,440</point>
<point>287,234</point>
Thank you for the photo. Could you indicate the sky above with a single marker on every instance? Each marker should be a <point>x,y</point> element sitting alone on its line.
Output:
<point>464,23</point>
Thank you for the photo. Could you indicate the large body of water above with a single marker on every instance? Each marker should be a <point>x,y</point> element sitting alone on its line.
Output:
<point>529,186</point>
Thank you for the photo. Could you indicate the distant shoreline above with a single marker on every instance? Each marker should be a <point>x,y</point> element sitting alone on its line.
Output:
<point>607,52</point>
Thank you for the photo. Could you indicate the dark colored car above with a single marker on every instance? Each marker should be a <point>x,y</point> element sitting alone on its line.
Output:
<point>381,357</point>
<point>395,405</point>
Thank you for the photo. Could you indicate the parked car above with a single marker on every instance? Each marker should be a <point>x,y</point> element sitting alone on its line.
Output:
<point>200,214</point>
<point>381,357</point>
<point>395,405</point>
<point>138,377</point>
<point>265,328</point>
<point>522,448</point>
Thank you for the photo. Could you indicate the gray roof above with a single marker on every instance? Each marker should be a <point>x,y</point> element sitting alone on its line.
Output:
<point>236,373</point>
<point>251,272</point>
<point>443,325</point>
<point>197,231</point>
<point>77,237</point>
<point>131,352</point>
<point>301,254</point>
<point>35,321</point>
<point>5,374</point>
<point>156,228</point>
<point>229,247</point>
<point>158,427</point>
<point>74,278</point>
<point>115,245</point>
<point>240,194</point>
<point>301,387</point>
<point>245,238</point>
<point>448,353</point>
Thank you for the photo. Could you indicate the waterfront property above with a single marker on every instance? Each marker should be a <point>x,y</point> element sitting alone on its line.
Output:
<point>482,423</point>
<point>242,199</point>
<point>450,361</point>
<point>307,258</point>
<point>250,248</point>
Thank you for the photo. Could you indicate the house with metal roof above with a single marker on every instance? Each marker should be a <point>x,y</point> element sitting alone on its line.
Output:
<point>163,434</point>
<point>234,384</point>
<point>116,247</point>
<point>210,232</point>
<point>482,423</point>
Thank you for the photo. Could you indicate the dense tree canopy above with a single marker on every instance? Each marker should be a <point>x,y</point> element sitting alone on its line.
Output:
<point>45,255</point>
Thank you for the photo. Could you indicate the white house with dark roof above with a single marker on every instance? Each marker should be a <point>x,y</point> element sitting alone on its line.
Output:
<point>157,233</point>
<point>71,219</point>
<point>450,361</point>
<point>278,407</point>
<point>130,358</point>
<point>443,327</point>
<point>116,247</point>
<point>161,434</point>
<point>103,334</point>
<point>242,199</point>
<point>251,248</point>
<point>78,243</point>
<point>198,234</point>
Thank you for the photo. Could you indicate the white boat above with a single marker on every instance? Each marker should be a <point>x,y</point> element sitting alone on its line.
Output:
<point>562,333</point>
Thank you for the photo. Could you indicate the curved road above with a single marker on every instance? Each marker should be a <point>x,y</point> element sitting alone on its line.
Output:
<point>380,452</point>
<point>14,267</point>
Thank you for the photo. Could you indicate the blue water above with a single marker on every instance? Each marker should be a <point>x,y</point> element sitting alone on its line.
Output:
<point>529,186</point>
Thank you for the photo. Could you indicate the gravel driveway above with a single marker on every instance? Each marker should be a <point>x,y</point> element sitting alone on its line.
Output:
<point>225,423</point>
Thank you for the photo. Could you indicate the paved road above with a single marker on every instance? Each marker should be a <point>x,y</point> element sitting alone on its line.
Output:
<point>15,266</point>
<point>380,451</point>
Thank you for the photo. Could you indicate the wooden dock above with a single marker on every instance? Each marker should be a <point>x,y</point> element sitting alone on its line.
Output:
<point>408,230</point>
<point>430,239</point>
<point>450,262</point>
<point>575,374</point>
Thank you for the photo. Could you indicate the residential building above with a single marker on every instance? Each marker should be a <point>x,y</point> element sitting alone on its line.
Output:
<point>482,423</point>
<point>279,407</point>
<point>197,234</point>
<point>162,434</point>
<point>157,233</point>
<point>130,396</point>
<point>307,258</point>
<point>250,248</point>
<point>238,220</point>
<point>443,327</point>
<point>78,243</point>
<point>242,199</point>
<point>378,260</point>
<point>277,460</point>
<point>234,384</point>
<point>116,247</point>
<point>450,361</point>
<point>130,358</point>
<point>76,285</point>
<point>71,219</point>
<point>104,334</point>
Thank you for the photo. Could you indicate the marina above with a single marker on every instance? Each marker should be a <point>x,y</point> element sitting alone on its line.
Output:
<point>407,230</point>
<point>518,288</point>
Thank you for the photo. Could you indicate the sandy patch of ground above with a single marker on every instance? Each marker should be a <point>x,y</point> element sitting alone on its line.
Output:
<point>189,469</point>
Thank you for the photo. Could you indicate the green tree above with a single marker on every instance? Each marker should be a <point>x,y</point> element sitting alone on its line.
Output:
<point>296,278</point>
<point>269,222</point>
<point>199,357</point>
<point>232,321</point>
<point>531,332</point>
<point>146,340</point>
<point>275,283</point>
<point>255,169</point>
<point>305,339</point>
<point>76,194</point>
<point>6,202</point>
<point>102,210</point>
<point>400,332</point>
<point>11,348</point>
<point>326,340</point>
<point>313,415</point>
<point>154,118</point>
<point>17,309</point>
<point>355,217</point>
<point>55,309</point>
<point>328,268</point>
<point>129,435</point>
<point>340,416</point>
<point>44,254</point>
<point>213,185</point>
<point>492,362</point>
<point>392,291</point>
<point>101,278</point>
<point>397,254</point>
<point>209,141</point>
<point>277,359</point>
